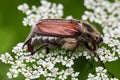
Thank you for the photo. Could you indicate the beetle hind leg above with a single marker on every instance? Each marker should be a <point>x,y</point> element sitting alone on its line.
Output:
<point>47,50</point>
<point>29,46</point>
<point>41,46</point>
<point>26,42</point>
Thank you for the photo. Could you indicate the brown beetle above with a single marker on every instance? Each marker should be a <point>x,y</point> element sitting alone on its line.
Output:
<point>68,34</point>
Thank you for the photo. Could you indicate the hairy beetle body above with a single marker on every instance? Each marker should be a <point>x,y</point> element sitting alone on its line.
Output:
<point>68,34</point>
<point>54,42</point>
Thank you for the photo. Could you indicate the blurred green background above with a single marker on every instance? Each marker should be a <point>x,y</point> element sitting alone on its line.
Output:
<point>12,32</point>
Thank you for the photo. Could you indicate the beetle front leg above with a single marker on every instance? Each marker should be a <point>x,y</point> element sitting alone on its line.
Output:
<point>93,51</point>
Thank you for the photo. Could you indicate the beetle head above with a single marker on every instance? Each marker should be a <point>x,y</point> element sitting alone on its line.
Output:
<point>91,34</point>
<point>96,39</point>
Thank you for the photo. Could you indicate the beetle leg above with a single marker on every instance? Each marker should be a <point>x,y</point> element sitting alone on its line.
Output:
<point>74,48</point>
<point>47,50</point>
<point>26,42</point>
<point>93,51</point>
<point>94,46</point>
<point>41,46</point>
<point>29,46</point>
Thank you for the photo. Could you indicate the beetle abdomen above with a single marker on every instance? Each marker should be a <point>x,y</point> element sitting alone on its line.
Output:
<point>41,39</point>
<point>53,42</point>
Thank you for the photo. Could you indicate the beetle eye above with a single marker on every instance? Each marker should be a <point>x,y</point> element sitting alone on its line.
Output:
<point>88,35</point>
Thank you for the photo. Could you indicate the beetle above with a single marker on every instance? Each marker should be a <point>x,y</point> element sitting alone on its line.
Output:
<point>68,34</point>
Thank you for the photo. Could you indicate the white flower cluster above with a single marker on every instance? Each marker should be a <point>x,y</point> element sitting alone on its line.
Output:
<point>100,75</point>
<point>6,58</point>
<point>107,15</point>
<point>106,55</point>
<point>41,64</point>
<point>46,10</point>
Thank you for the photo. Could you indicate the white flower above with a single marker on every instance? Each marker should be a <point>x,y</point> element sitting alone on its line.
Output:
<point>114,79</point>
<point>19,50</point>
<point>105,55</point>
<point>90,76</point>
<point>9,75</point>
<point>60,6</point>
<point>48,65</point>
<point>54,72</point>
<point>35,74</point>
<point>116,33</point>
<point>67,62</point>
<point>13,73</point>
<point>100,70</point>
<point>87,55</point>
<point>90,4</point>
<point>24,7</point>
<point>62,76</point>
<point>69,17</point>
<point>59,59</point>
<point>68,71</point>
<point>74,79</point>
<point>6,58</point>
<point>88,15</point>
<point>29,59</point>
<point>50,78</point>
<point>28,12</point>
<point>75,74</point>
<point>101,74</point>
<point>27,75</point>
<point>18,63</point>
<point>27,79</point>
